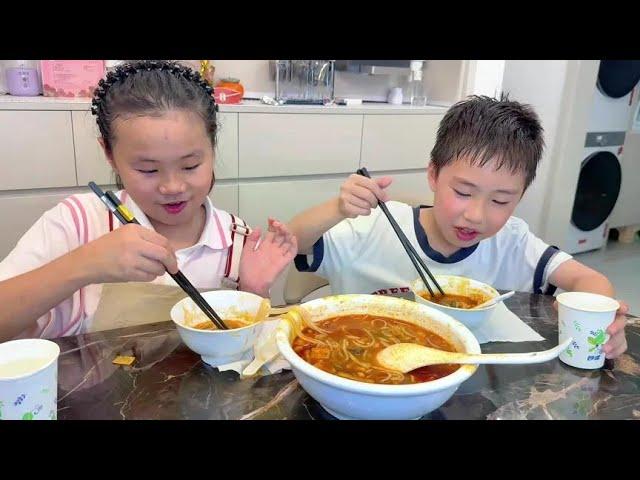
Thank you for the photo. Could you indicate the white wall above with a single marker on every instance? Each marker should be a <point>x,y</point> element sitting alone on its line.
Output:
<point>539,83</point>
<point>488,77</point>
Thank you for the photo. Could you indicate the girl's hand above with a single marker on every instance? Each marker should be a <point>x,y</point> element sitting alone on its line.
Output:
<point>129,253</point>
<point>264,260</point>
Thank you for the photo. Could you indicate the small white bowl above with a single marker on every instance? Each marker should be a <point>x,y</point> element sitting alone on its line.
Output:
<point>218,347</point>
<point>453,284</point>
<point>349,399</point>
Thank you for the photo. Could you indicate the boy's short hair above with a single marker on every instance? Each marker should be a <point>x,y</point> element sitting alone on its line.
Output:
<point>482,128</point>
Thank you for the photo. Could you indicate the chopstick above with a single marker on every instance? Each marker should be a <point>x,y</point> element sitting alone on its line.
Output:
<point>411,252</point>
<point>124,216</point>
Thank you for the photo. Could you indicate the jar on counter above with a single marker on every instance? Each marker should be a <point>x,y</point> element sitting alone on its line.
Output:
<point>228,90</point>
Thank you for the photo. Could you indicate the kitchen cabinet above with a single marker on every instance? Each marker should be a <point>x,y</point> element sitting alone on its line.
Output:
<point>398,141</point>
<point>298,144</point>
<point>36,150</point>
<point>19,211</point>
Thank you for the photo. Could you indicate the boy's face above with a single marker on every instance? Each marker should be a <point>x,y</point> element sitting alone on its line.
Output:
<point>472,203</point>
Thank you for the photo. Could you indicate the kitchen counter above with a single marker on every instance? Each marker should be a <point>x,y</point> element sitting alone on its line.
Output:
<point>10,102</point>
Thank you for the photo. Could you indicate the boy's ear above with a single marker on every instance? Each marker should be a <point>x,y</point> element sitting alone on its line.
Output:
<point>432,176</point>
<point>108,154</point>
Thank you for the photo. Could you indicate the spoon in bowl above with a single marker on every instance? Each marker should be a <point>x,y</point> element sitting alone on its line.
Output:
<point>405,357</point>
<point>494,300</point>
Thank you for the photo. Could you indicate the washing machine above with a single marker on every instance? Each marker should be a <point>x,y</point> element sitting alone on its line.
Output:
<point>597,191</point>
<point>613,95</point>
<point>600,168</point>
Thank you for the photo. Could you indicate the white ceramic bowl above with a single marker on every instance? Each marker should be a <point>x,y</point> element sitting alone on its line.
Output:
<point>218,347</point>
<point>350,399</point>
<point>461,286</point>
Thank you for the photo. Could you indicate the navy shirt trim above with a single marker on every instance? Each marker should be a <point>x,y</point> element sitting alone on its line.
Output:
<point>430,252</point>
<point>302,263</point>
<point>545,258</point>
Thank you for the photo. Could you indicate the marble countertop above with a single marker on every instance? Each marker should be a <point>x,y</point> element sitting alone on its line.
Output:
<point>10,102</point>
<point>169,381</point>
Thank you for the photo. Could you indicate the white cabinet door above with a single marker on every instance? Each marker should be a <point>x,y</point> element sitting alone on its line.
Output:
<point>226,163</point>
<point>225,197</point>
<point>298,144</point>
<point>395,142</point>
<point>91,162</point>
<point>36,150</point>
<point>18,212</point>
<point>410,187</point>
<point>283,199</point>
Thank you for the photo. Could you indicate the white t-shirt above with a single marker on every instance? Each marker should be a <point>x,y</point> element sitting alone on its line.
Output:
<point>82,218</point>
<point>364,255</point>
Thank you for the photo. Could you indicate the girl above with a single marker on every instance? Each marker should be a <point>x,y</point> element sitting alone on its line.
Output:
<point>157,122</point>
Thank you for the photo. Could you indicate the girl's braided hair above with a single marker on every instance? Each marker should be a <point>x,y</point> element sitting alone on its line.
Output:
<point>151,87</point>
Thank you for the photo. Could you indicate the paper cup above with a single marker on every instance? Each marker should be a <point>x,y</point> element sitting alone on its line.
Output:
<point>585,317</point>
<point>29,380</point>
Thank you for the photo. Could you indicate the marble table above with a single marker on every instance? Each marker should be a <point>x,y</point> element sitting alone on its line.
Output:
<point>169,381</point>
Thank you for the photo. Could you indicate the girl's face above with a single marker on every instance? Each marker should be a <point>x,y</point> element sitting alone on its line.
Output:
<point>165,163</point>
<point>472,203</point>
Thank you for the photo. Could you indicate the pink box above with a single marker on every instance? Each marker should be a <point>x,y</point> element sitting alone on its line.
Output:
<point>71,78</point>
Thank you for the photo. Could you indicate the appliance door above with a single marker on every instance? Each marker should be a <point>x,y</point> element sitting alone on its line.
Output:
<point>597,192</point>
<point>616,78</point>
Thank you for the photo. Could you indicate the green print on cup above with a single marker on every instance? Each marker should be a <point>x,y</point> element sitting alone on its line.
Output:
<point>569,351</point>
<point>577,326</point>
<point>596,340</point>
<point>27,416</point>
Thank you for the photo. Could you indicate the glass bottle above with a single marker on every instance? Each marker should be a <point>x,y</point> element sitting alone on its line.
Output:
<point>416,87</point>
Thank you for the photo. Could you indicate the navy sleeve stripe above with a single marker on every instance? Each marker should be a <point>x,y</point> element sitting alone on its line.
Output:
<point>301,262</point>
<point>540,268</point>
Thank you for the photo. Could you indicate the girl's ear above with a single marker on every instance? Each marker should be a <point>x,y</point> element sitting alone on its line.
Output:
<point>108,154</point>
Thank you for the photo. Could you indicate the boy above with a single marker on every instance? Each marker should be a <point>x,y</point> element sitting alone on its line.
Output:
<point>485,156</point>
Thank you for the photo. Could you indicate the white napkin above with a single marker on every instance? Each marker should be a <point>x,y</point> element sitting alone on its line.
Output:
<point>505,326</point>
<point>265,342</point>
<point>502,326</point>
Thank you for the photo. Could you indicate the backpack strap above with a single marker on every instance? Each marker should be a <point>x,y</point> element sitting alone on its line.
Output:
<point>239,232</point>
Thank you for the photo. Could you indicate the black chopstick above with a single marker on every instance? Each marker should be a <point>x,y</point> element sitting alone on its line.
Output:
<point>411,252</point>
<point>124,216</point>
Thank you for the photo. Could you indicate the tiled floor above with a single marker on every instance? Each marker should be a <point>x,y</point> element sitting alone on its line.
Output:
<point>620,262</point>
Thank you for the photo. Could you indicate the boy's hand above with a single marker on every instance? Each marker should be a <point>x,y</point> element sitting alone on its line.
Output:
<point>129,253</point>
<point>617,343</point>
<point>358,194</point>
<point>263,261</point>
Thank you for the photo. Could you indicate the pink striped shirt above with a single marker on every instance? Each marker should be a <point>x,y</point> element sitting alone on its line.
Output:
<point>82,218</point>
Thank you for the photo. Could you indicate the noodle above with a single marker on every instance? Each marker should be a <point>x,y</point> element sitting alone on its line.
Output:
<point>347,346</point>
